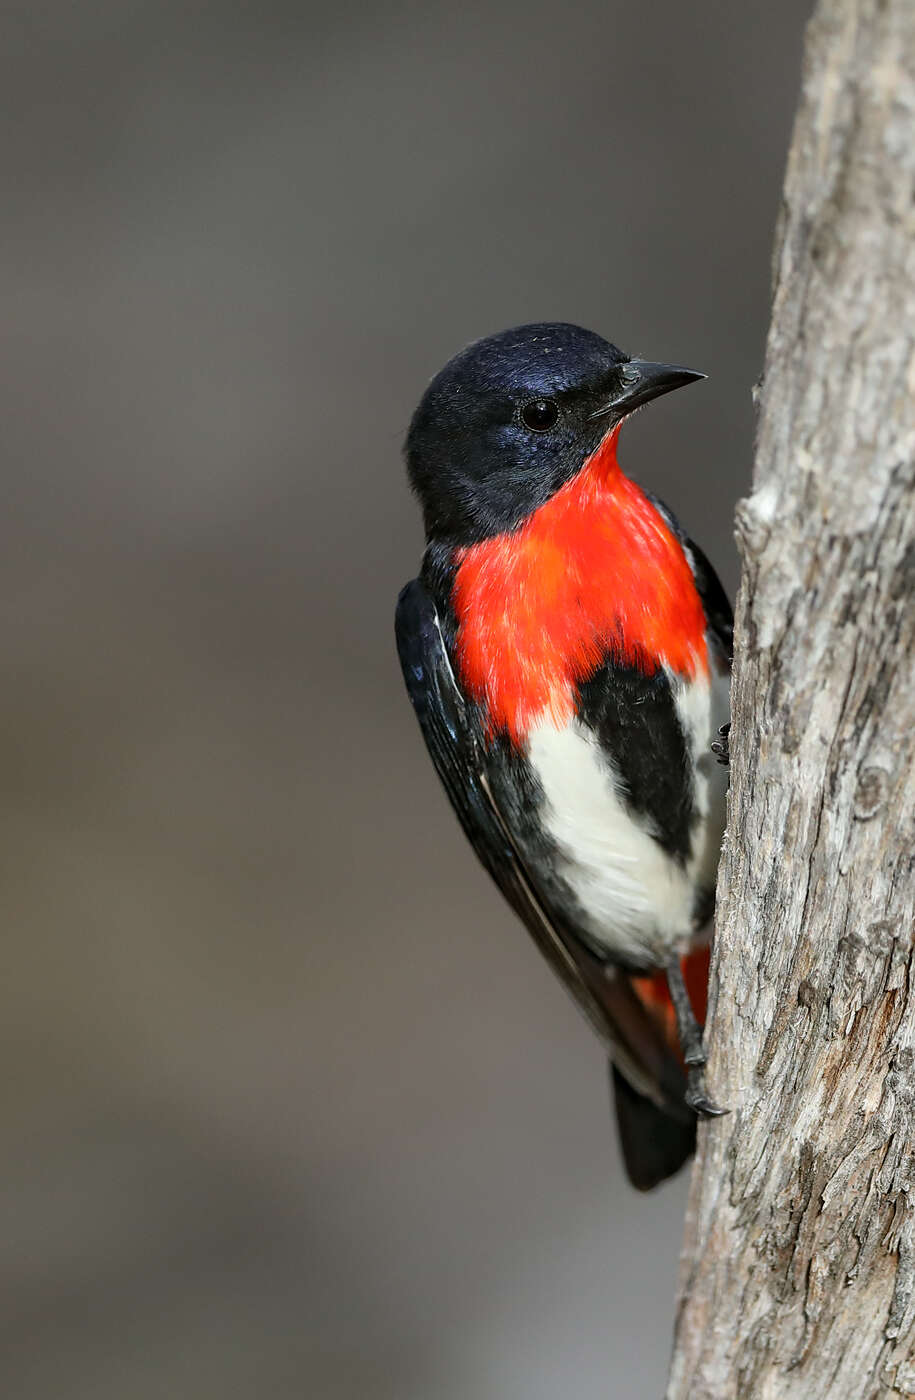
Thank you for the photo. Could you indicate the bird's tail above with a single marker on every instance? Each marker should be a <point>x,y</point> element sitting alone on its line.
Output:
<point>654,1144</point>
<point>656,1140</point>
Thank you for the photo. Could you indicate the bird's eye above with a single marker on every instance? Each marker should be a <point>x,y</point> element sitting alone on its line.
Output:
<point>540,414</point>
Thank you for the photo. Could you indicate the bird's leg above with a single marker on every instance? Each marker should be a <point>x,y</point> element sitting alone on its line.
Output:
<point>721,747</point>
<point>690,1033</point>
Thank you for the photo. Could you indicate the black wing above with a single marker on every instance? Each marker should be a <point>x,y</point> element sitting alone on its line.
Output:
<point>455,741</point>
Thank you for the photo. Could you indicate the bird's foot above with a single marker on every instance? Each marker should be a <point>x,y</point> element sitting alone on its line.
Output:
<point>721,747</point>
<point>696,1096</point>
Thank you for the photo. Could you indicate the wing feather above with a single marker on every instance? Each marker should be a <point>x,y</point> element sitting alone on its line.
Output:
<point>456,744</point>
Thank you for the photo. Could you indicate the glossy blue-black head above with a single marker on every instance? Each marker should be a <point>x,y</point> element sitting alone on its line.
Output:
<point>512,418</point>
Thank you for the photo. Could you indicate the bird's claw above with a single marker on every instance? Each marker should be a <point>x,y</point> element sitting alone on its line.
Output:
<point>721,747</point>
<point>697,1098</point>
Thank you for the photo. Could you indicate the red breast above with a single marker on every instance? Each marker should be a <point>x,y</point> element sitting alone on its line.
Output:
<point>595,570</point>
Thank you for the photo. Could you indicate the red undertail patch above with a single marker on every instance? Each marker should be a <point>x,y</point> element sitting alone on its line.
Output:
<point>654,994</point>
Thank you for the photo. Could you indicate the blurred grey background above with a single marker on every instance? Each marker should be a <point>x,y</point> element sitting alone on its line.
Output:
<point>291,1107</point>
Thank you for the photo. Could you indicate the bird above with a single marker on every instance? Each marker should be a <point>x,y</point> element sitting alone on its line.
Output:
<point>567,651</point>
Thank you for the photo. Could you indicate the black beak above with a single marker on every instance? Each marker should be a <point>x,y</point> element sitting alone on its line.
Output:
<point>642,381</point>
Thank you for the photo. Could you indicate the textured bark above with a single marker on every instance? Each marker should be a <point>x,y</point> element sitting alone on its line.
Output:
<point>799,1266</point>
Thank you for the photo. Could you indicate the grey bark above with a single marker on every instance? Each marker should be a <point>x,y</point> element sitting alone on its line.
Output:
<point>798,1277</point>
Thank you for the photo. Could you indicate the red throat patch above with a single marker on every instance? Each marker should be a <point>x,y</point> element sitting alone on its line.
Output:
<point>594,571</point>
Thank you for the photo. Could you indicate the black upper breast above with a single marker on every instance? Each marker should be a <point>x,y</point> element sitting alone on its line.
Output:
<point>635,720</point>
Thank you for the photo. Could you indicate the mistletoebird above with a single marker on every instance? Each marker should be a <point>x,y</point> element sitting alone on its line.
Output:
<point>567,651</point>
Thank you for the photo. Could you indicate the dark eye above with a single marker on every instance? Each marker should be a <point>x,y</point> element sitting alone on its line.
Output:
<point>540,414</point>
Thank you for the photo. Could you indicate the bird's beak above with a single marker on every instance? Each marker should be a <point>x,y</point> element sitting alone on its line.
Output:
<point>642,380</point>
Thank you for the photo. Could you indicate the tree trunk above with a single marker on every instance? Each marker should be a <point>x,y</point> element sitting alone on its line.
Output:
<point>798,1277</point>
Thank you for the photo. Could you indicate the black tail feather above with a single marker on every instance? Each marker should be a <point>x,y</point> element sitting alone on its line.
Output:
<point>654,1144</point>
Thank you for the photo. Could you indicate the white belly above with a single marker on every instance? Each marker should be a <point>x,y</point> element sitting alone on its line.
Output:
<point>637,899</point>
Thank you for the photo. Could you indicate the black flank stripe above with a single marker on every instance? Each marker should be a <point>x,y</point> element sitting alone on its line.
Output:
<point>636,723</point>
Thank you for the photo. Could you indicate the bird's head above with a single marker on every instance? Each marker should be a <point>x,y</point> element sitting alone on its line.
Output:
<point>513,417</point>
